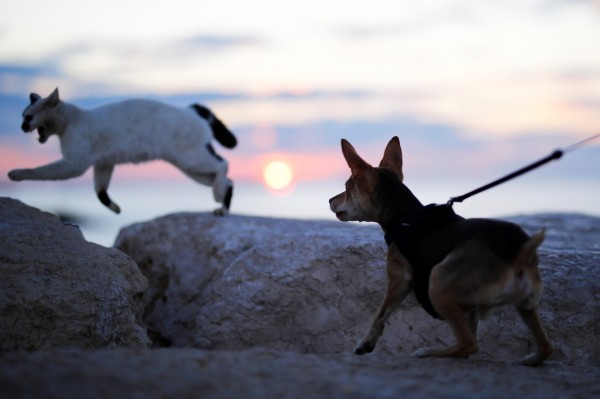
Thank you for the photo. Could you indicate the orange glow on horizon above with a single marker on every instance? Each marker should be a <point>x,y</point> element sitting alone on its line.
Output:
<point>318,165</point>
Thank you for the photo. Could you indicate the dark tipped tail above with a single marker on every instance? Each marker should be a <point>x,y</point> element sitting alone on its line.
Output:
<point>220,131</point>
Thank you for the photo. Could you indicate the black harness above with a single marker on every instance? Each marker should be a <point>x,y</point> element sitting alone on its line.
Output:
<point>409,232</point>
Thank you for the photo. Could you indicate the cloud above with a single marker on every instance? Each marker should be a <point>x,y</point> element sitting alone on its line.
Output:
<point>560,5</point>
<point>580,75</point>
<point>20,70</point>
<point>126,65</point>
<point>18,78</point>
<point>213,42</point>
<point>412,20</point>
<point>11,107</point>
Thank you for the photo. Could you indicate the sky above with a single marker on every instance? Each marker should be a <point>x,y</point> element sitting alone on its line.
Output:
<point>473,89</point>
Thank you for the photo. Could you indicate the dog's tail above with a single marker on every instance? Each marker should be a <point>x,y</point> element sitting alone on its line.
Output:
<point>220,131</point>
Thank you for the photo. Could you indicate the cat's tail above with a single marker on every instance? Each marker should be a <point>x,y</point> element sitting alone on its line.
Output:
<point>220,131</point>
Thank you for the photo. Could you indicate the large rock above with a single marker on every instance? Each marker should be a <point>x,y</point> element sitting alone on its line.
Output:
<point>241,282</point>
<point>58,290</point>
<point>244,283</point>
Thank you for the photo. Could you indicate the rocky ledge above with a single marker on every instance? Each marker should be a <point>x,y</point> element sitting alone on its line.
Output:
<point>58,290</point>
<point>256,307</point>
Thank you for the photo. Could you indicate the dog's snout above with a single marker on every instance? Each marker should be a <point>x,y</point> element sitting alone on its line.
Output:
<point>28,118</point>
<point>331,200</point>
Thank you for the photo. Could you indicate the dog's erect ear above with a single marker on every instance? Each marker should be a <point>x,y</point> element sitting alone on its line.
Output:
<point>33,97</point>
<point>53,99</point>
<point>392,157</point>
<point>357,165</point>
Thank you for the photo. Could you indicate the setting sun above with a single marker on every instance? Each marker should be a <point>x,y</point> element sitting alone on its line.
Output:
<point>277,175</point>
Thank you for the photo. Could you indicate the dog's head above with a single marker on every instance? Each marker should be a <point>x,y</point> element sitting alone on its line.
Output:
<point>360,200</point>
<point>40,114</point>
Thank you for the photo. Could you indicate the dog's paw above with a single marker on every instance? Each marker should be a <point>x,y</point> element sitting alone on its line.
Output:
<point>362,348</point>
<point>532,360</point>
<point>422,352</point>
<point>535,359</point>
<point>459,352</point>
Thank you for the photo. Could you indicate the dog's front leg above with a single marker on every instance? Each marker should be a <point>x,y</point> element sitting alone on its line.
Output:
<point>399,284</point>
<point>59,170</point>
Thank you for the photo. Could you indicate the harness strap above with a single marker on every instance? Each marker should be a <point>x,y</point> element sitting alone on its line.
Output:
<point>408,233</point>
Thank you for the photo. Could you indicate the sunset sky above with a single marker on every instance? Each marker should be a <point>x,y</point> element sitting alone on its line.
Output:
<point>473,89</point>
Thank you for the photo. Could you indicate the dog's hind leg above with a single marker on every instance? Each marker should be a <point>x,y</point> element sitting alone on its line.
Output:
<point>102,175</point>
<point>528,307</point>
<point>473,318</point>
<point>466,343</point>
<point>543,346</point>
<point>399,284</point>
<point>445,300</point>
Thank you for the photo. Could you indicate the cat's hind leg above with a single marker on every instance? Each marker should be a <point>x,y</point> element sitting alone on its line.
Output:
<point>209,169</point>
<point>102,175</point>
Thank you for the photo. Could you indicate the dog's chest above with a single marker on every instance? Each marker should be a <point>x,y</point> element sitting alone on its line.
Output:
<point>408,235</point>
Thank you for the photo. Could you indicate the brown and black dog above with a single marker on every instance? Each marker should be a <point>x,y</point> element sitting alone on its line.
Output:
<point>459,268</point>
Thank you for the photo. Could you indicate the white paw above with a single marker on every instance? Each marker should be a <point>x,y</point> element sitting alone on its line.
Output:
<point>421,352</point>
<point>221,211</point>
<point>532,360</point>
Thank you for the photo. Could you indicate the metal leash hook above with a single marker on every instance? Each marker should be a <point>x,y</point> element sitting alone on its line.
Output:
<point>555,155</point>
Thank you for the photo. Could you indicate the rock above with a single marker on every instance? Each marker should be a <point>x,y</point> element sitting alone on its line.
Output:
<point>262,373</point>
<point>280,303</point>
<point>58,290</point>
<point>308,286</point>
<point>239,282</point>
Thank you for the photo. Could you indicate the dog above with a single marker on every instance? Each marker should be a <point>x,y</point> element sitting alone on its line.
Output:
<point>458,268</point>
<point>130,131</point>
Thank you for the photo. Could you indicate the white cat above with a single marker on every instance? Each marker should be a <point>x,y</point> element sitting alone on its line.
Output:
<point>129,131</point>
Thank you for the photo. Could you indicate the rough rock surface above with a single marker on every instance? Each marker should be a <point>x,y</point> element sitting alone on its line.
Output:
<point>264,373</point>
<point>58,290</point>
<point>243,282</point>
<point>257,308</point>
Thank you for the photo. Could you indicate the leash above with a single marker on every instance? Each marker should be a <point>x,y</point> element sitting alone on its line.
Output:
<point>555,155</point>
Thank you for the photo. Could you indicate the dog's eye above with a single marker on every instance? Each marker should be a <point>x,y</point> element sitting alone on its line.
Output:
<point>28,118</point>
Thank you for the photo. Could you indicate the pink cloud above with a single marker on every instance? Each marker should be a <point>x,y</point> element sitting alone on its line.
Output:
<point>16,157</point>
<point>316,165</point>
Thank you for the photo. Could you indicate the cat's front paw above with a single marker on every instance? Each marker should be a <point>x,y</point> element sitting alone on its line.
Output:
<point>17,174</point>
<point>221,211</point>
